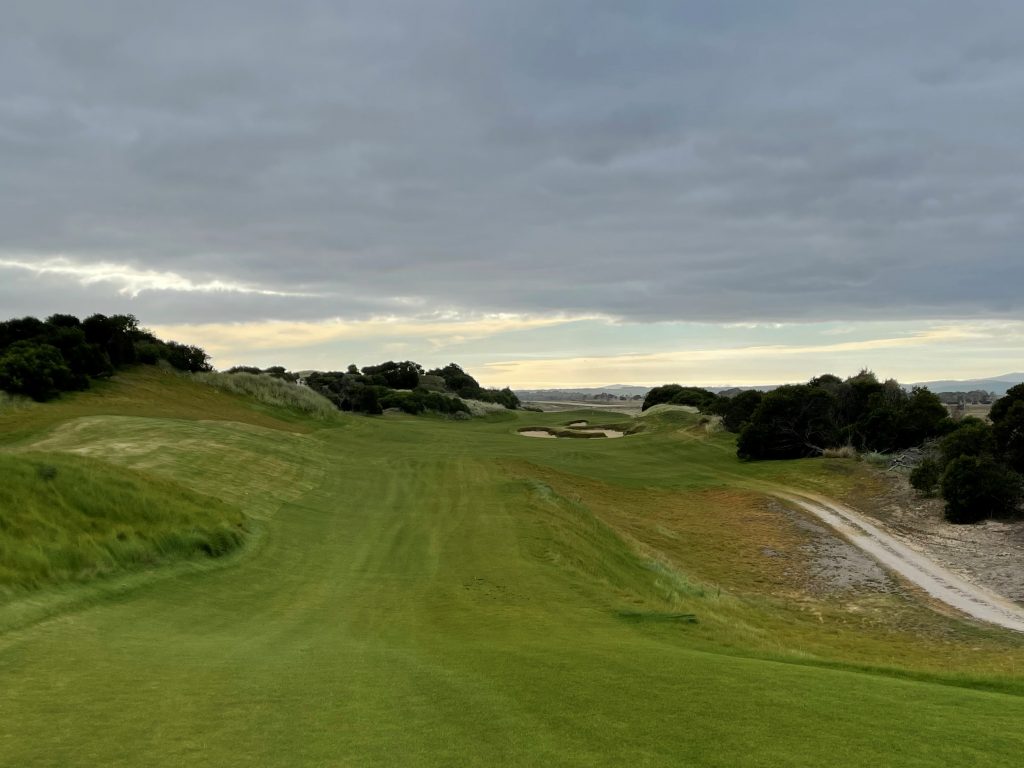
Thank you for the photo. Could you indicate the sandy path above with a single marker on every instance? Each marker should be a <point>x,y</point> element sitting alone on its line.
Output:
<point>921,570</point>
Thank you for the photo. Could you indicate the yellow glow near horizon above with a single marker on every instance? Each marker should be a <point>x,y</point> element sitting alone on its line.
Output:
<point>968,349</point>
<point>286,334</point>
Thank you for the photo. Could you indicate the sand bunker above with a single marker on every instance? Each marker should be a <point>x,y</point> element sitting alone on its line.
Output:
<point>577,424</point>
<point>572,433</point>
<point>605,432</point>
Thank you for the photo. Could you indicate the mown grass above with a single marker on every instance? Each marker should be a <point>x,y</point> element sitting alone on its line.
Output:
<point>429,592</point>
<point>67,518</point>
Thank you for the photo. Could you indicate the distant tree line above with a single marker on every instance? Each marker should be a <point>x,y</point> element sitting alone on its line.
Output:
<point>405,385</point>
<point>801,420</point>
<point>674,394</point>
<point>973,396</point>
<point>977,467</point>
<point>42,358</point>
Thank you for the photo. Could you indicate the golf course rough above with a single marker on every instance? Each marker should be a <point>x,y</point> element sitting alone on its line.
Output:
<point>422,592</point>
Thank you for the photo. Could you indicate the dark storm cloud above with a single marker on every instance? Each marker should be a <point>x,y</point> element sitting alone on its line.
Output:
<point>726,161</point>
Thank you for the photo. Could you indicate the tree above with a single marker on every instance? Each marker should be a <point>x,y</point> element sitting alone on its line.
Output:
<point>675,394</point>
<point>1002,405</point>
<point>20,329</point>
<point>36,370</point>
<point>404,375</point>
<point>791,422</point>
<point>186,357</point>
<point>923,416</point>
<point>978,487</point>
<point>458,381</point>
<point>116,335</point>
<point>1008,435</point>
<point>973,437</point>
<point>736,411</point>
<point>365,400</point>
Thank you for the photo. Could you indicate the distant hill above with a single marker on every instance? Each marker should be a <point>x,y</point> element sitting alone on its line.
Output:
<point>618,390</point>
<point>578,393</point>
<point>997,384</point>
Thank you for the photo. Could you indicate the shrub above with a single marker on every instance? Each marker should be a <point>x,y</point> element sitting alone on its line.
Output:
<point>505,397</point>
<point>875,458</point>
<point>925,476</point>
<point>186,357</point>
<point>972,438</point>
<point>674,394</point>
<point>978,487</point>
<point>736,411</point>
<point>35,370</point>
<point>791,422</point>
<point>458,381</point>
<point>1008,435</point>
<point>1001,406</point>
<point>404,375</point>
<point>845,452</point>
<point>406,401</point>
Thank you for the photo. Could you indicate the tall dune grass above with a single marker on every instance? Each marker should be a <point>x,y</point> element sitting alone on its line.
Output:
<point>71,518</point>
<point>13,402</point>
<point>272,391</point>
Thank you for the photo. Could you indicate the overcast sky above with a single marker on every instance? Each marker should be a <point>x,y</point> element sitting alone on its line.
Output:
<point>550,192</point>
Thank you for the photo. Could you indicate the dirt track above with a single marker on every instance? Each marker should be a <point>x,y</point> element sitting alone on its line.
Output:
<point>917,568</point>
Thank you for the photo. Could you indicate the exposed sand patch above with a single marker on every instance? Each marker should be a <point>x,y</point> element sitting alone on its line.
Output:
<point>572,433</point>
<point>605,432</point>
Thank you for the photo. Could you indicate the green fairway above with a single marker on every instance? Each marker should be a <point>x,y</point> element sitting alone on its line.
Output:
<point>416,591</point>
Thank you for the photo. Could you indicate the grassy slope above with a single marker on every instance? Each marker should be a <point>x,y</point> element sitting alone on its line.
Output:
<point>436,593</point>
<point>67,518</point>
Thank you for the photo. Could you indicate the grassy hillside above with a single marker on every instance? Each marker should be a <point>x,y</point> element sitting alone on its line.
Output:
<point>66,518</point>
<point>428,592</point>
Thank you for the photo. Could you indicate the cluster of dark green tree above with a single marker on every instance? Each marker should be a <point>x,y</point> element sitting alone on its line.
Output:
<point>674,394</point>
<point>977,467</point>
<point>800,420</point>
<point>42,358</point>
<point>407,386</point>
<point>462,384</point>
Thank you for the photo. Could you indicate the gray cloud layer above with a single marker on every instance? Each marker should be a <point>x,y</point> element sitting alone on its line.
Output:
<point>658,160</point>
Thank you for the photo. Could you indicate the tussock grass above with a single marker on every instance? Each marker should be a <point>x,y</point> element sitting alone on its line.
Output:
<point>10,402</point>
<point>482,408</point>
<point>876,458</point>
<point>69,518</point>
<point>843,452</point>
<point>272,391</point>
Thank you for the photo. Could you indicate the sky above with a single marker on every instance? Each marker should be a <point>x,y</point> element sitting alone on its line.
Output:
<point>550,193</point>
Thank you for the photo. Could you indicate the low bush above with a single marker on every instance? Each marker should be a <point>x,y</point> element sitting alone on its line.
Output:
<point>978,487</point>
<point>925,476</point>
